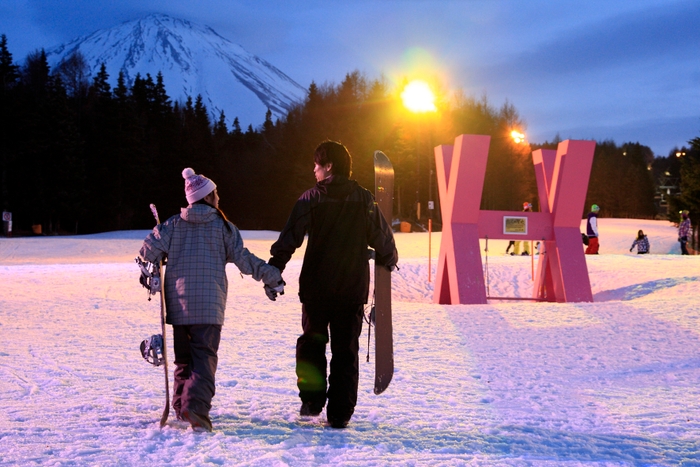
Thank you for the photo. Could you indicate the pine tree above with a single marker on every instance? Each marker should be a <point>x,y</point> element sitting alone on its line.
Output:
<point>220,131</point>
<point>9,79</point>
<point>9,72</point>
<point>267,124</point>
<point>100,83</point>
<point>160,99</point>
<point>237,127</point>
<point>121,91</point>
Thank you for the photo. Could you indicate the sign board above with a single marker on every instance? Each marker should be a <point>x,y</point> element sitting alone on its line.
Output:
<point>6,216</point>
<point>515,225</point>
<point>431,205</point>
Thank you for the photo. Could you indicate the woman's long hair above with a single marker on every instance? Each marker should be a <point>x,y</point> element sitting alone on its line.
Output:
<point>227,223</point>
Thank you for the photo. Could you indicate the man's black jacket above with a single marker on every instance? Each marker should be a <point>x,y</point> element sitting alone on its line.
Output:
<point>342,220</point>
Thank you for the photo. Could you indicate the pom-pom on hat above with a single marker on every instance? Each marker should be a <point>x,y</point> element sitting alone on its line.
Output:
<point>196,186</point>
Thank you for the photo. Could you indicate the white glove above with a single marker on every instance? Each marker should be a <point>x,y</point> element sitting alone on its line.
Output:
<point>273,291</point>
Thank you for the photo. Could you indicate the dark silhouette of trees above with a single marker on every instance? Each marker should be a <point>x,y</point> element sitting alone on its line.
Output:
<point>621,181</point>
<point>77,155</point>
<point>510,176</point>
<point>689,189</point>
<point>46,178</point>
<point>9,79</point>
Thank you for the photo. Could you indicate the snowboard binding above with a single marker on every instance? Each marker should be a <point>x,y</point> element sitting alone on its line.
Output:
<point>152,350</point>
<point>150,279</point>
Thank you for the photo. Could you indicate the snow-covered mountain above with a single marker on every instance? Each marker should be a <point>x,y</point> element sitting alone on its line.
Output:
<point>193,60</point>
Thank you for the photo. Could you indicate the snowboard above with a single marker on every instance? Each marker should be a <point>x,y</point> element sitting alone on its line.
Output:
<point>161,275</point>
<point>383,334</point>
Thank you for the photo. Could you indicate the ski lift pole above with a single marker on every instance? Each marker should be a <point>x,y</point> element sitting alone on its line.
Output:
<point>532,262</point>
<point>488,292</point>
<point>430,248</point>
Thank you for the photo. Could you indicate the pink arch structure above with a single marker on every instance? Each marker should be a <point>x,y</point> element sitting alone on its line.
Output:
<point>562,181</point>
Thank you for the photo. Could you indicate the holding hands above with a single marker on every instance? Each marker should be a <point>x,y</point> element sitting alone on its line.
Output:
<point>272,290</point>
<point>274,284</point>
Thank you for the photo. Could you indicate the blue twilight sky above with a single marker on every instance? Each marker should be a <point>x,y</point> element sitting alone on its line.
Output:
<point>586,69</point>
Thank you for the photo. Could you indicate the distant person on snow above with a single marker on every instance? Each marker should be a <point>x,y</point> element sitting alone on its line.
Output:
<point>198,243</point>
<point>592,231</point>
<point>642,244</point>
<point>527,207</point>
<point>341,220</point>
<point>683,231</point>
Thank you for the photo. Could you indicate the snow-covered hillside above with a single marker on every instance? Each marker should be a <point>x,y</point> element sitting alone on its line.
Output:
<point>194,60</point>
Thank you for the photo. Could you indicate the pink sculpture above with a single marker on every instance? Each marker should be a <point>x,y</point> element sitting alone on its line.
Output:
<point>562,180</point>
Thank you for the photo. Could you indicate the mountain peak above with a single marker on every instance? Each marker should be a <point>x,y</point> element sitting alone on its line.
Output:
<point>194,60</point>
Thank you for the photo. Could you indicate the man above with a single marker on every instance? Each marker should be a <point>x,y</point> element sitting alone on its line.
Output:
<point>592,231</point>
<point>683,231</point>
<point>341,220</point>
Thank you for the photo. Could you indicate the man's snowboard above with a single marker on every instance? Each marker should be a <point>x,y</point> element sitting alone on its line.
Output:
<point>154,349</point>
<point>383,334</point>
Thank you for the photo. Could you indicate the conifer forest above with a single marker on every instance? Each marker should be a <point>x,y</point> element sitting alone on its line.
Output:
<point>78,155</point>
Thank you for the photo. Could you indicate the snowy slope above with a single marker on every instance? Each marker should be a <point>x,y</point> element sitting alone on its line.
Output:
<point>609,383</point>
<point>194,60</point>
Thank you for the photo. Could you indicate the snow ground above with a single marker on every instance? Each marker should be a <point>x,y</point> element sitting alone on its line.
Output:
<point>609,383</point>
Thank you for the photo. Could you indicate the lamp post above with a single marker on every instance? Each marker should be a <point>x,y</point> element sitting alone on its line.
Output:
<point>519,138</point>
<point>418,98</point>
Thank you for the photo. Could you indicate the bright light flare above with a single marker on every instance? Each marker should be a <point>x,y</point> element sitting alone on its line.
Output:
<point>517,136</point>
<point>418,97</point>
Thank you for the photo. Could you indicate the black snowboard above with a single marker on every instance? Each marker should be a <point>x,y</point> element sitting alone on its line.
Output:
<point>166,410</point>
<point>383,335</point>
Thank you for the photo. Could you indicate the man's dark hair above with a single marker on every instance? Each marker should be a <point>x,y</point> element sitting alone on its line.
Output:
<point>336,154</point>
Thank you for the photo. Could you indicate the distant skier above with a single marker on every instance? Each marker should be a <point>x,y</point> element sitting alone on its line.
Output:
<point>592,231</point>
<point>684,231</point>
<point>510,245</point>
<point>198,243</point>
<point>642,244</point>
<point>341,220</point>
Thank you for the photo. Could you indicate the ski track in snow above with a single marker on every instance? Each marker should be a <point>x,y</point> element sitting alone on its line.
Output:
<point>609,383</point>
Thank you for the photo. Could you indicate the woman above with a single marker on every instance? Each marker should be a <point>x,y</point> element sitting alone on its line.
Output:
<point>642,244</point>
<point>198,243</point>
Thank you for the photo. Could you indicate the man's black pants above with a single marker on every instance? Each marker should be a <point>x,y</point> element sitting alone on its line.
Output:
<point>345,324</point>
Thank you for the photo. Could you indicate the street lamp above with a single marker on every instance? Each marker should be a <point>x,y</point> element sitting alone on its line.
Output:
<point>517,137</point>
<point>418,98</point>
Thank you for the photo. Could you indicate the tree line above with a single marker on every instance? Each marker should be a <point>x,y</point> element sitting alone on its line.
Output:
<point>79,156</point>
<point>681,169</point>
